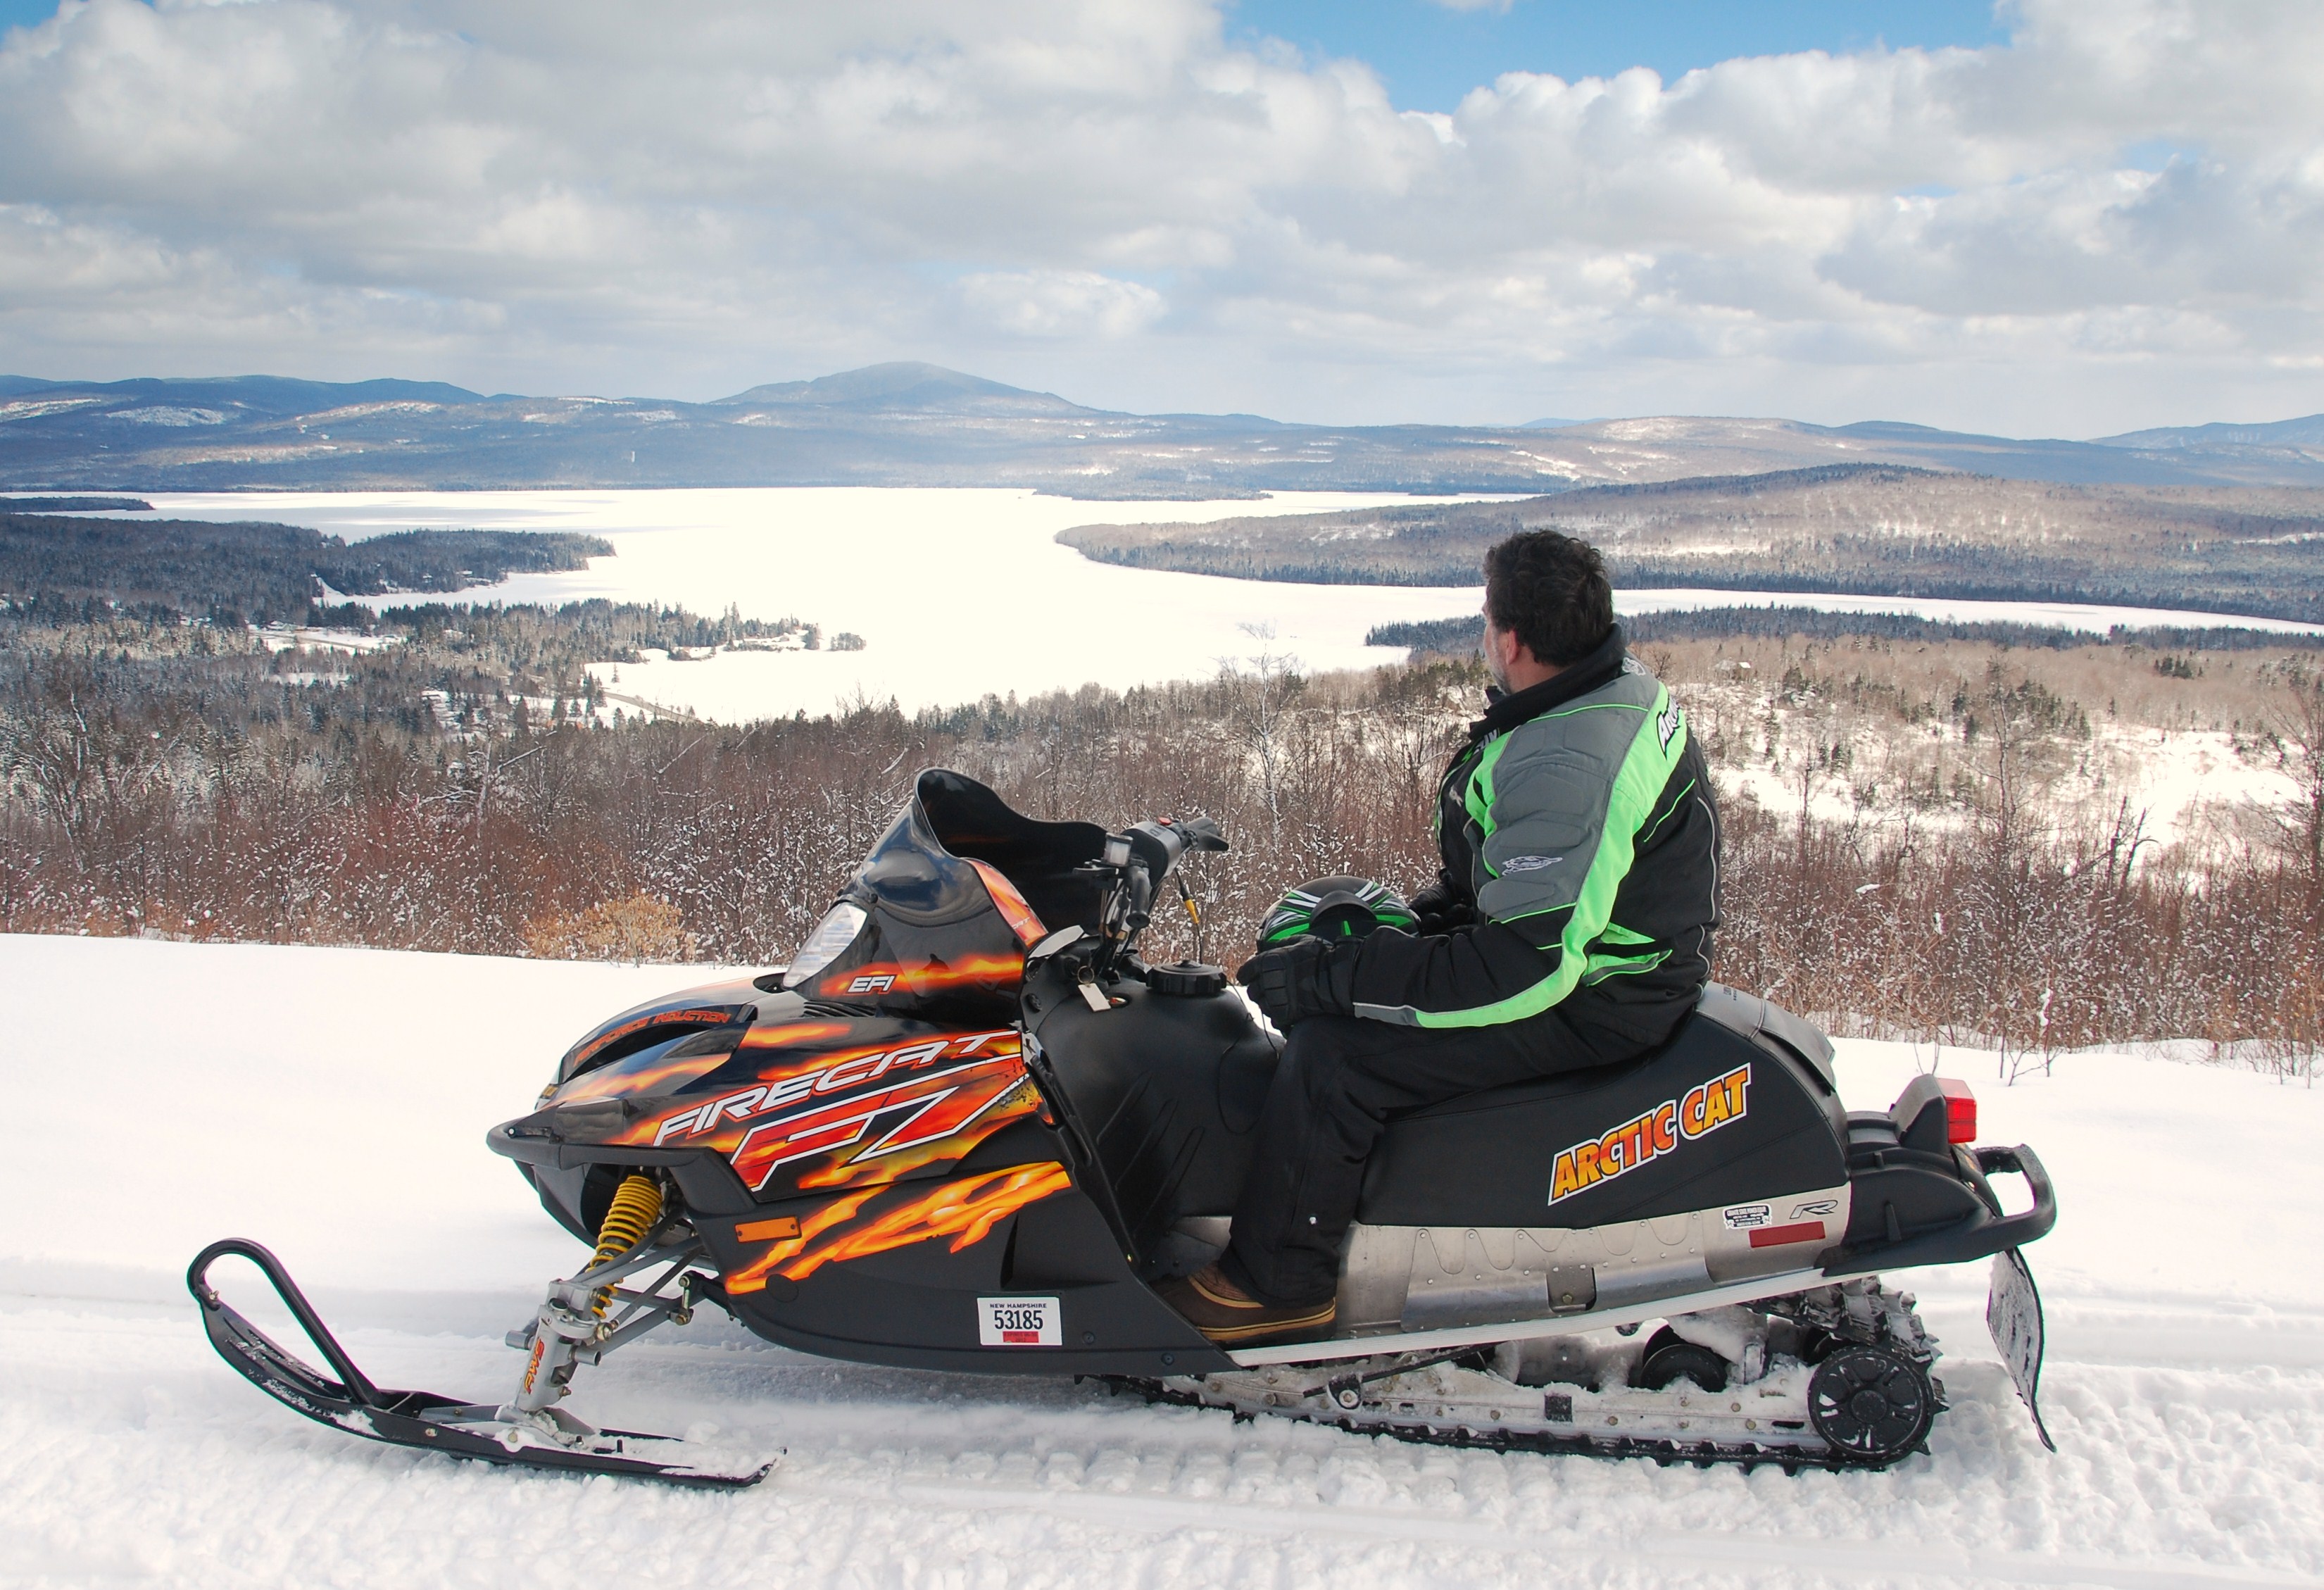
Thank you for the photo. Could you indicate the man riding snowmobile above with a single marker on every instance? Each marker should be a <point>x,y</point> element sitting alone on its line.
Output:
<point>1570,927</point>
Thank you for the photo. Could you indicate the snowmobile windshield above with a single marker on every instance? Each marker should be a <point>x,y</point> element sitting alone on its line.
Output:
<point>948,900</point>
<point>925,869</point>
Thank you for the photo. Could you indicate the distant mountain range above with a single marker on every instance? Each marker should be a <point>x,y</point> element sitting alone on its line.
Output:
<point>914,424</point>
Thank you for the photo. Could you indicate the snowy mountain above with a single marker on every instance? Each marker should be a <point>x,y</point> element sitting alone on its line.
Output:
<point>921,425</point>
<point>2307,432</point>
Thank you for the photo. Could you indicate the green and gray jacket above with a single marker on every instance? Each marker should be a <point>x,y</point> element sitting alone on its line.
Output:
<point>1580,851</point>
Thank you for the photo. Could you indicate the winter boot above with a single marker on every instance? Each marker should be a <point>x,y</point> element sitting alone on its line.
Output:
<point>1230,1316</point>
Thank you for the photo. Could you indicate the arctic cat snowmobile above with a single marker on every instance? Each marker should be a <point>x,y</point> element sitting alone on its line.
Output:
<point>968,1129</point>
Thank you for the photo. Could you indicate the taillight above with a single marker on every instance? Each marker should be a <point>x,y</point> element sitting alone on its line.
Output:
<point>1960,1110</point>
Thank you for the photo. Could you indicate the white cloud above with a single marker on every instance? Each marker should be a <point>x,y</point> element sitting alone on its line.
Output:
<point>1062,303</point>
<point>2110,221</point>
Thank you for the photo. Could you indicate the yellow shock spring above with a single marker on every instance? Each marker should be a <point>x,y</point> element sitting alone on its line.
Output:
<point>636,1207</point>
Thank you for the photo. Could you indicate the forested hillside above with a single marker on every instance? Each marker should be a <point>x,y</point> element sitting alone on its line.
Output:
<point>1873,529</point>
<point>1936,839</point>
<point>54,568</point>
<point>1465,636</point>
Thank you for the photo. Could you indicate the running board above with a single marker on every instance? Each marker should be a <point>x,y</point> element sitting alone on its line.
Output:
<point>1452,1337</point>
<point>2013,1314</point>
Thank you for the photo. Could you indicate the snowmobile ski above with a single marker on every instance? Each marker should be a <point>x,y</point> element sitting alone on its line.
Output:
<point>423,1419</point>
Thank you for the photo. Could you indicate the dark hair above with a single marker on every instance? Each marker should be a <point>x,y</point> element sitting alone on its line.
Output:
<point>1551,591</point>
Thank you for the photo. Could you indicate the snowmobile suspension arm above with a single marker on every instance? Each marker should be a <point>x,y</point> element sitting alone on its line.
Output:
<point>641,1311</point>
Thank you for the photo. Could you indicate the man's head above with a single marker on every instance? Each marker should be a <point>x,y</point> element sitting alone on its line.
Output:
<point>1547,603</point>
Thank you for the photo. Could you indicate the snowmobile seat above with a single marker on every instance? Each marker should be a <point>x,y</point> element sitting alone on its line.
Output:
<point>1489,1159</point>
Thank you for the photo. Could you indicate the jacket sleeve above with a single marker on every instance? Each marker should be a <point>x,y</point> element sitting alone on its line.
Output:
<point>1560,822</point>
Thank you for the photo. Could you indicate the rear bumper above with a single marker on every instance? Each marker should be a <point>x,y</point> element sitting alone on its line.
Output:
<point>1980,1234</point>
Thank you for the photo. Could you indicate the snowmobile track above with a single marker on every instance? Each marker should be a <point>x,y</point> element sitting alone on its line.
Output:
<point>1791,1460</point>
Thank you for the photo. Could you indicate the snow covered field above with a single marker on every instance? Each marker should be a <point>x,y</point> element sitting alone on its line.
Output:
<point>964,592</point>
<point>332,1103</point>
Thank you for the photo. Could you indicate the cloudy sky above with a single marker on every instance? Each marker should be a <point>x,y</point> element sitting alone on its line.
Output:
<point>2060,218</point>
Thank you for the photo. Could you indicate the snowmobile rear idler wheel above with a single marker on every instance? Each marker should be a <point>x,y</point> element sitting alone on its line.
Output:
<point>1872,1405</point>
<point>1668,1358</point>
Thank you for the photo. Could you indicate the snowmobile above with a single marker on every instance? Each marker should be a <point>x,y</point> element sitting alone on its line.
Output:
<point>968,1128</point>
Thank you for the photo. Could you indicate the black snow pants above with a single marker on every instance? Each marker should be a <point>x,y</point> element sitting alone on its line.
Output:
<point>1340,1081</point>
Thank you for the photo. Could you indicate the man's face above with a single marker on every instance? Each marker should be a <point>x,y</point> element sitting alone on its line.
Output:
<point>1497,650</point>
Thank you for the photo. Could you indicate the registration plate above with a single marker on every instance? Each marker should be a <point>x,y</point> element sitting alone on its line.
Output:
<point>1019,1322</point>
<point>2012,1313</point>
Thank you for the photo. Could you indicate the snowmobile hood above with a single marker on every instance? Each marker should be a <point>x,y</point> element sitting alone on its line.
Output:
<point>660,1021</point>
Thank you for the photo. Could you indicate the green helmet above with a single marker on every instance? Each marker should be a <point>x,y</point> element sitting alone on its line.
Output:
<point>1334,908</point>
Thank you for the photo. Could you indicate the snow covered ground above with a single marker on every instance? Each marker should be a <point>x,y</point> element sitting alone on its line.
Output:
<point>2189,784</point>
<point>332,1103</point>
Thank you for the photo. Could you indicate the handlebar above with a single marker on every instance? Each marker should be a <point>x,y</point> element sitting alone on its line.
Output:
<point>1139,857</point>
<point>1157,845</point>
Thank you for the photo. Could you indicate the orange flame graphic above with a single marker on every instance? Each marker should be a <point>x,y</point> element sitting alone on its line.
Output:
<point>1022,1099</point>
<point>788,1065</point>
<point>966,1211</point>
<point>1013,907</point>
<point>794,1032</point>
<point>667,1076</point>
<point>931,978</point>
<point>795,1063</point>
<point>701,1016</point>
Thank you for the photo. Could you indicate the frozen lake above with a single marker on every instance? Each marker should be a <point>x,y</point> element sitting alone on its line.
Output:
<point>958,593</point>
<point>965,593</point>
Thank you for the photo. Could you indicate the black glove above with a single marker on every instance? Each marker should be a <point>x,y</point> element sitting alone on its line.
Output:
<point>1305,977</point>
<point>1438,909</point>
